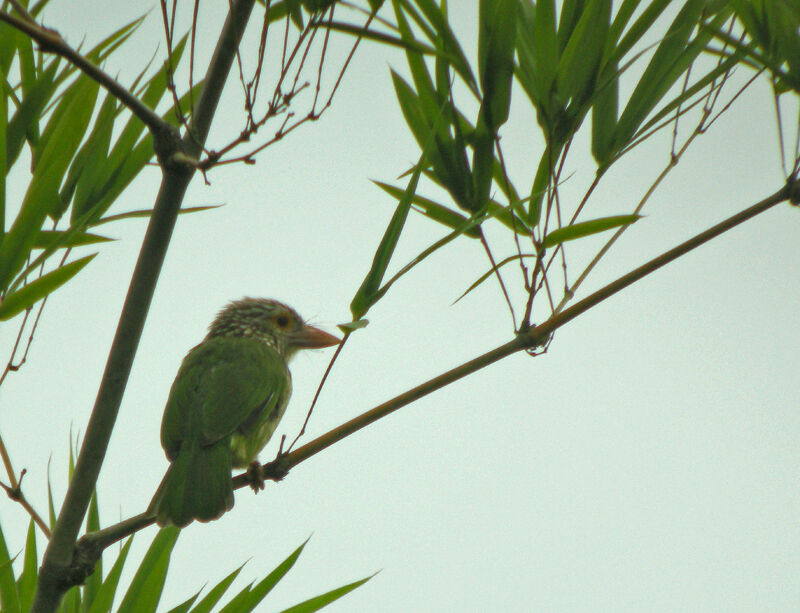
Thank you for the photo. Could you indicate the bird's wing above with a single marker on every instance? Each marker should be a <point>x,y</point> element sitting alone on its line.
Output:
<point>221,383</point>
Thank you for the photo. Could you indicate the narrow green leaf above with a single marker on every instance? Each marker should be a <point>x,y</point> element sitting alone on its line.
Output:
<point>9,598</point>
<point>544,173</point>
<point>536,81</point>
<point>51,507</point>
<point>38,7</point>
<point>323,600</point>
<point>129,163</point>
<point>36,290</point>
<point>491,272</point>
<point>60,139</point>
<point>26,118</point>
<point>259,591</point>
<point>149,212</point>
<point>90,164</point>
<point>578,65</point>
<point>604,114</point>
<point>93,582</point>
<point>27,65</point>
<point>3,156</point>
<point>42,195</point>
<point>436,28</point>
<point>145,589</point>
<point>496,37</point>
<point>427,98</point>
<point>379,37</point>
<point>59,239</point>
<point>365,296</point>
<point>47,238</point>
<point>639,29</point>
<point>655,81</point>
<point>71,602</point>
<point>8,46</point>
<point>434,210</point>
<point>249,598</point>
<point>185,605</point>
<point>585,228</point>
<point>696,90</point>
<point>105,595</point>
<point>26,586</point>
<point>215,593</point>
<point>545,43</point>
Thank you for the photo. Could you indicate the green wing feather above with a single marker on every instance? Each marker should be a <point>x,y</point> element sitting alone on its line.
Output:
<point>226,391</point>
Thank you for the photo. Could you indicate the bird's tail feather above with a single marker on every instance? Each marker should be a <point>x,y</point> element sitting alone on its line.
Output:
<point>197,486</point>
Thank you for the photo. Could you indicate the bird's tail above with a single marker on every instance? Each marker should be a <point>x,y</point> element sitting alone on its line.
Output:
<point>197,486</point>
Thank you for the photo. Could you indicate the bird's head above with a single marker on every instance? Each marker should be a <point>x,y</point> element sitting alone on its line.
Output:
<point>270,322</point>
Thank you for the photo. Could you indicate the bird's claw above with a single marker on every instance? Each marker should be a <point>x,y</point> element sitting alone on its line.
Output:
<point>277,469</point>
<point>255,476</point>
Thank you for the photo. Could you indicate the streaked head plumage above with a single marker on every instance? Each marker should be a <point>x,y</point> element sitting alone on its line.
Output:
<point>270,322</point>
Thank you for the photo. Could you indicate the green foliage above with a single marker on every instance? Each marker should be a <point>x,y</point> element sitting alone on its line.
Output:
<point>569,59</point>
<point>74,166</point>
<point>144,592</point>
<point>773,44</point>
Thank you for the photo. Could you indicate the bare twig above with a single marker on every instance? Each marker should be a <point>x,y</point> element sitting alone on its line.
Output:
<point>14,491</point>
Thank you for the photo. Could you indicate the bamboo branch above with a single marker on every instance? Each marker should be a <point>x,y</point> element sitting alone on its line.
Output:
<point>91,546</point>
<point>528,339</point>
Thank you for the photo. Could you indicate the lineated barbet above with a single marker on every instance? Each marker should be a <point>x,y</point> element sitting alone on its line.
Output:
<point>225,403</point>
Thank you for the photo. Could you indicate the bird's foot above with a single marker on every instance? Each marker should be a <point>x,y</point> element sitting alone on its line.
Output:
<point>277,469</point>
<point>255,476</point>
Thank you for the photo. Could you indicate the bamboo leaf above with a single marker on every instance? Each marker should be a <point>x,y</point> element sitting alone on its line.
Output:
<point>185,605</point>
<point>25,120</point>
<point>586,228</point>
<point>434,25</point>
<point>491,271</point>
<point>250,596</point>
<point>366,295</point>
<point>579,62</point>
<point>93,582</point>
<point>9,597</point>
<point>26,585</point>
<point>145,589</point>
<point>29,294</point>
<point>215,593</point>
<point>323,600</point>
<point>3,156</point>
<point>65,131</point>
<point>604,114</point>
<point>670,54</point>
<point>60,238</point>
<point>149,212</point>
<point>105,595</point>
<point>91,162</point>
<point>434,210</point>
<point>412,45</point>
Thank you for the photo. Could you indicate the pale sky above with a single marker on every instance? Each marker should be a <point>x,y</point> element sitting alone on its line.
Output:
<point>648,461</point>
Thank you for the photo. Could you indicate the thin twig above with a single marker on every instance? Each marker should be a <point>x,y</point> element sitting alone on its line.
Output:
<point>339,349</point>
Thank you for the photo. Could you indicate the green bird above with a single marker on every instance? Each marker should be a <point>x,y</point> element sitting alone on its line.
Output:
<point>225,403</point>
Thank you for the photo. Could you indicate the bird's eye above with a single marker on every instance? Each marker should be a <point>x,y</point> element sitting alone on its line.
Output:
<point>282,321</point>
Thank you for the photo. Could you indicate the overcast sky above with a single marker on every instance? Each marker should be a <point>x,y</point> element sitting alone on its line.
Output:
<point>648,461</point>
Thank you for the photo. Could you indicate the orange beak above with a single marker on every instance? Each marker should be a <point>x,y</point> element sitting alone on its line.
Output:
<point>309,337</point>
